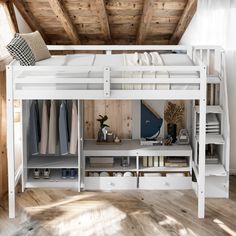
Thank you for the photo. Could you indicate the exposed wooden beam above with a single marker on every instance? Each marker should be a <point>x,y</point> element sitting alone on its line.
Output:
<point>102,14</point>
<point>184,21</point>
<point>63,16</point>
<point>11,16</point>
<point>29,18</point>
<point>145,21</point>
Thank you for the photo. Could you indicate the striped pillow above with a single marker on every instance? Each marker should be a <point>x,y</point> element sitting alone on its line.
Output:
<point>20,50</point>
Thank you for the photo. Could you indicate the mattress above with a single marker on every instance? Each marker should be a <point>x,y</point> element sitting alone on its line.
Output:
<point>116,60</point>
<point>180,60</point>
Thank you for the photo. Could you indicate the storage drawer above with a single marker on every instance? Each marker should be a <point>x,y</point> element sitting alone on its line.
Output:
<point>165,183</point>
<point>216,187</point>
<point>110,183</point>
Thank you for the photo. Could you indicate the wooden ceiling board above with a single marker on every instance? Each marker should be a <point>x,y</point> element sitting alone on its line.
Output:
<point>110,21</point>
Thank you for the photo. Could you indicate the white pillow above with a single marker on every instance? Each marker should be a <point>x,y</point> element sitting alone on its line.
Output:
<point>37,45</point>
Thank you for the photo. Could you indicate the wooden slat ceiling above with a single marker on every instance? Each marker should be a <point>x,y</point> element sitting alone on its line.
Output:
<point>108,21</point>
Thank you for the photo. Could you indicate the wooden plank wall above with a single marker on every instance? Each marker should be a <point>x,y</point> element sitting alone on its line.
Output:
<point>119,114</point>
<point>3,155</point>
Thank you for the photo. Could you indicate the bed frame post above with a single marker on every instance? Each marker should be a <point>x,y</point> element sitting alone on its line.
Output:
<point>202,147</point>
<point>190,51</point>
<point>10,143</point>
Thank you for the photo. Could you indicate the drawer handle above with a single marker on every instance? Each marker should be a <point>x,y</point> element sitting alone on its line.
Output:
<point>112,184</point>
<point>166,183</point>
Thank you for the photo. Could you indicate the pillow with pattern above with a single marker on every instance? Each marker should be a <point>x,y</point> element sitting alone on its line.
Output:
<point>20,50</point>
<point>37,45</point>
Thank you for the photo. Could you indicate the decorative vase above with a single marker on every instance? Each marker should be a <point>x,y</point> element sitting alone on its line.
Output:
<point>100,135</point>
<point>171,130</point>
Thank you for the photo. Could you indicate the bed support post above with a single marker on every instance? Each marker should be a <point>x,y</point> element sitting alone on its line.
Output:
<point>202,147</point>
<point>10,143</point>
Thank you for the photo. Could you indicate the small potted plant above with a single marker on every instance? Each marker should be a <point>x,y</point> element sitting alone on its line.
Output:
<point>102,131</point>
<point>173,116</point>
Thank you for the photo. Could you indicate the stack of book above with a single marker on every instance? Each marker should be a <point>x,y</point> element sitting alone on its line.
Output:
<point>176,162</point>
<point>153,161</point>
<point>106,162</point>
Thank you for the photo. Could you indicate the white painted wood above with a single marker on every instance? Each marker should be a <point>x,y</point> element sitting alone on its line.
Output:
<point>216,187</point>
<point>215,170</point>
<point>18,174</point>
<point>213,139</point>
<point>119,47</point>
<point>83,69</point>
<point>81,157</point>
<point>202,141</point>
<point>164,169</point>
<point>24,120</point>
<point>35,93</point>
<point>10,143</point>
<point>31,80</point>
<point>80,148</point>
<point>110,183</point>
<point>165,183</point>
<point>55,162</point>
<point>55,181</point>
<point>226,121</point>
<point>133,148</point>
<point>211,109</point>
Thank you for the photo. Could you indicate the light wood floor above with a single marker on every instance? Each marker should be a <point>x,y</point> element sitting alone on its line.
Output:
<point>64,212</point>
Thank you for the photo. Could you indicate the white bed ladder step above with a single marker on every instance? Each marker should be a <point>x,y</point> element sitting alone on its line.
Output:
<point>211,109</point>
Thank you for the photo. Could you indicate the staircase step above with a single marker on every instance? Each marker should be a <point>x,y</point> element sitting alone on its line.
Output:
<point>210,109</point>
<point>213,139</point>
<point>211,170</point>
<point>213,79</point>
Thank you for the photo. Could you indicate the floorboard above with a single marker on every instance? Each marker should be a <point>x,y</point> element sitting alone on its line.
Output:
<point>130,213</point>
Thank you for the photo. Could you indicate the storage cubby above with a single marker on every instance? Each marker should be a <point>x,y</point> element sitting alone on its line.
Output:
<point>36,124</point>
<point>54,181</point>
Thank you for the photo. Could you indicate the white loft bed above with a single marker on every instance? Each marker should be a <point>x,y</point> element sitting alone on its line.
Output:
<point>61,81</point>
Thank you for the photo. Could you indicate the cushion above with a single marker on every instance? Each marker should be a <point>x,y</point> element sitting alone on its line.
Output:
<point>20,50</point>
<point>37,45</point>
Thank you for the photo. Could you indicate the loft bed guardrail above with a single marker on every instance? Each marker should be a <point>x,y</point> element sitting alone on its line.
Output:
<point>43,86</point>
<point>69,82</point>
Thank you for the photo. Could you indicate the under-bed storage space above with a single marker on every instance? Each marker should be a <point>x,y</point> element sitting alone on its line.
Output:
<point>130,165</point>
<point>54,181</point>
